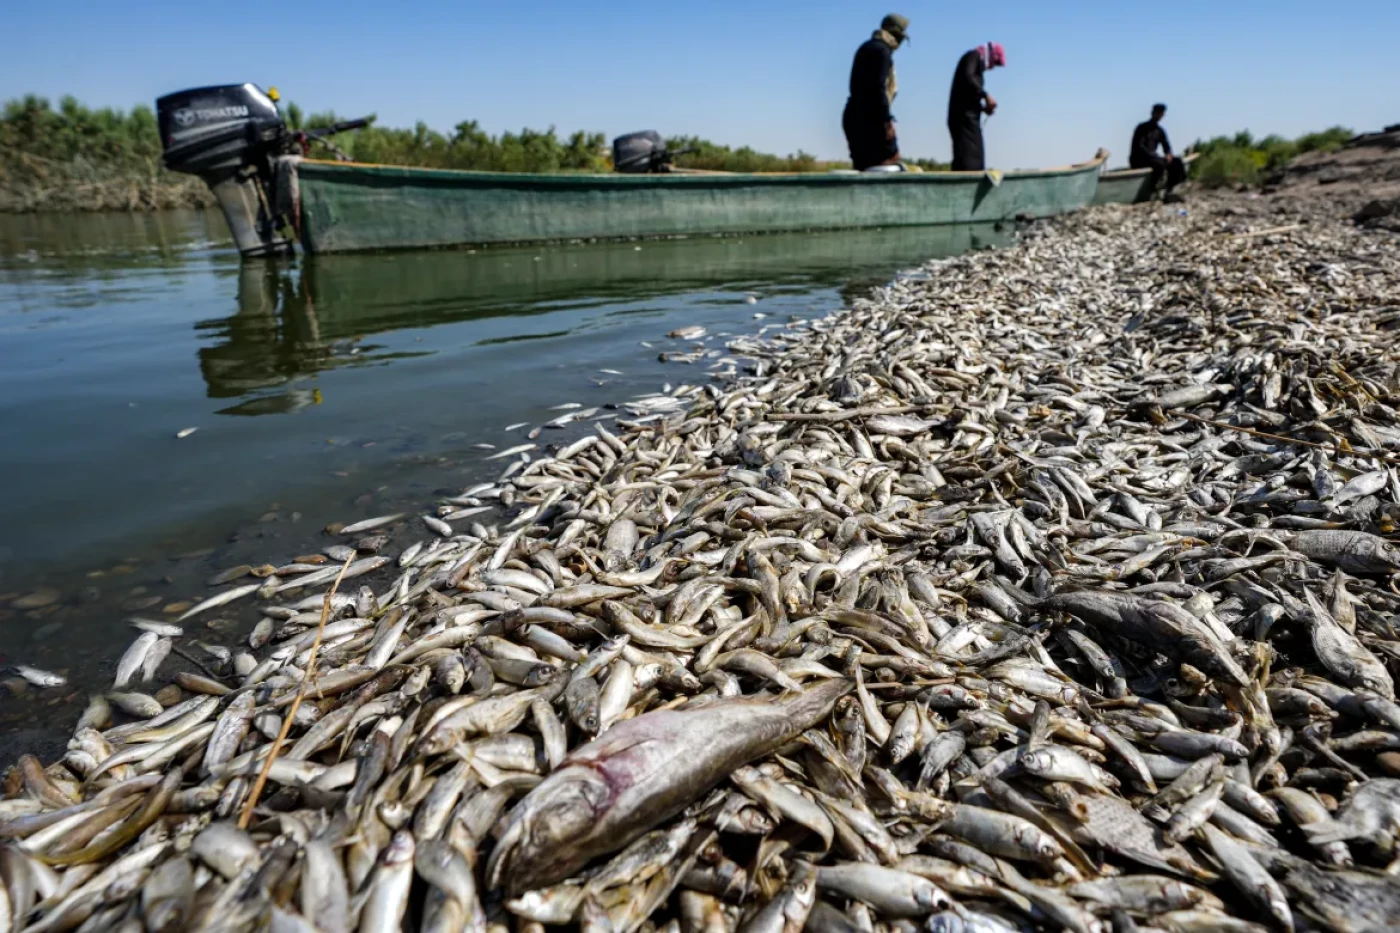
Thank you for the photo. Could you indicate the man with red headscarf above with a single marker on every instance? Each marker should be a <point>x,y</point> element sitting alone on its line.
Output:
<point>968,101</point>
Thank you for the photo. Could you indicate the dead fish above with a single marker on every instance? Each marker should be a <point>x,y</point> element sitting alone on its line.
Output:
<point>646,769</point>
<point>38,677</point>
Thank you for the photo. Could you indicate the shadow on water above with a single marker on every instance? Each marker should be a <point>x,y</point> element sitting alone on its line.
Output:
<point>389,372</point>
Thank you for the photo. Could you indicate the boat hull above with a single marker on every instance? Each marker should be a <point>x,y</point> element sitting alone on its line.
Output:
<point>1129,185</point>
<point>345,207</point>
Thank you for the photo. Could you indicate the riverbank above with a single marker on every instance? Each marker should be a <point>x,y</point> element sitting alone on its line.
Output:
<point>1135,466</point>
<point>31,183</point>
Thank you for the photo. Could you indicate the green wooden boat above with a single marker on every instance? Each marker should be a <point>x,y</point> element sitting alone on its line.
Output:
<point>1131,185</point>
<point>234,138</point>
<point>346,206</point>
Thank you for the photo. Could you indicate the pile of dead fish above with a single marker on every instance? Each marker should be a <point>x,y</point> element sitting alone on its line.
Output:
<point>971,608</point>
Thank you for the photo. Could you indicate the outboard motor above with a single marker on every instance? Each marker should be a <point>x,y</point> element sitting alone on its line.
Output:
<point>230,136</point>
<point>640,153</point>
<point>233,137</point>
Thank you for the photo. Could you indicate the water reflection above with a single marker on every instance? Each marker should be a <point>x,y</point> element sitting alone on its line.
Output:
<point>296,321</point>
<point>80,247</point>
<point>273,340</point>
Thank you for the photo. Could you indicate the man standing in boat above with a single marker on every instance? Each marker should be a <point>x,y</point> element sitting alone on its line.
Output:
<point>967,101</point>
<point>1147,139</point>
<point>869,125</point>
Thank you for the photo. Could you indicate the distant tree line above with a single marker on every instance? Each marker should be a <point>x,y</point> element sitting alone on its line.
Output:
<point>72,157</point>
<point>469,147</point>
<point>1230,161</point>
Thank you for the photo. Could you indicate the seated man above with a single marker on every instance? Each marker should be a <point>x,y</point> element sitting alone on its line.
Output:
<point>1147,138</point>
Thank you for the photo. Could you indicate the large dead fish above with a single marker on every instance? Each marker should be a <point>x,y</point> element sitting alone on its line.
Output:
<point>1158,624</point>
<point>638,774</point>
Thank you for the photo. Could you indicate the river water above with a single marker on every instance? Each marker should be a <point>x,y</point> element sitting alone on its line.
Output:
<point>326,389</point>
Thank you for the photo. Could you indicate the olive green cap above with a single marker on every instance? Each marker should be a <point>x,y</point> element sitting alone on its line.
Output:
<point>896,25</point>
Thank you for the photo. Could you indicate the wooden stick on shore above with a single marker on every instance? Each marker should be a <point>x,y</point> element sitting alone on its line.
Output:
<point>1286,228</point>
<point>261,782</point>
<point>1382,455</point>
<point>844,414</point>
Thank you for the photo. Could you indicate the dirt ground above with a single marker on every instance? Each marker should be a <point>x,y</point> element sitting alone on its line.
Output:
<point>1361,180</point>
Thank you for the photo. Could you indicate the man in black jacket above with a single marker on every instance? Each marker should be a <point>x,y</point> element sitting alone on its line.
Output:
<point>967,101</point>
<point>867,120</point>
<point>1147,138</point>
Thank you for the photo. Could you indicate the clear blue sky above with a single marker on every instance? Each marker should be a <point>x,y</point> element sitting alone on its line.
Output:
<point>770,75</point>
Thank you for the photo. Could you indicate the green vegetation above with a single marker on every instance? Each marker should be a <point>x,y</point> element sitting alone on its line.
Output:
<point>468,148</point>
<point>1228,161</point>
<point>930,165</point>
<point>471,148</point>
<point>74,158</point>
<point>716,158</point>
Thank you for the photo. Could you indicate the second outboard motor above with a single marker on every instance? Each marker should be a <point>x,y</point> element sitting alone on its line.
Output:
<point>639,153</point>
<point>230,136</point>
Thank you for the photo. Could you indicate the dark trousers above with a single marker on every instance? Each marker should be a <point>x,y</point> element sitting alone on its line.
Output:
<point>1175,170</point>
<point>865,137</point>
<point>966,130</point>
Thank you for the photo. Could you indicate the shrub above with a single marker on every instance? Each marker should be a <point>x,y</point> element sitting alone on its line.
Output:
<point>1226,166</point>
<point>1328,140</point>
<point>1243,160</point>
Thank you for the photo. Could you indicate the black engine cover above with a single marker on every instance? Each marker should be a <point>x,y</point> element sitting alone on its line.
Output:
<point>637,153</point>
<point>209,129</point>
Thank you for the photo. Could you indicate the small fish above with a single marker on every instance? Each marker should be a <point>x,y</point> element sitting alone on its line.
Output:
<point>229,731</point>
<point>134,657</point>
<point>164,629</point>
<point>227,596</point>
<point>155,657</point>
<point>217,652</point>
<point>185,432</point>
<point>39,678</point>
<point>438,526</point>
<point>368,524</point>
<point>136,704</point>
<point>512,451</point>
